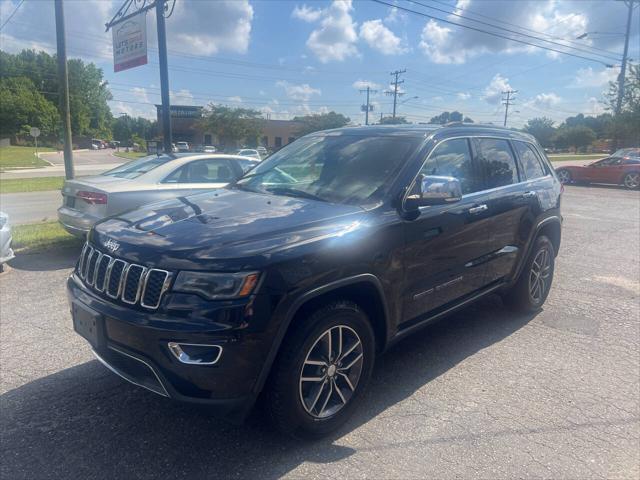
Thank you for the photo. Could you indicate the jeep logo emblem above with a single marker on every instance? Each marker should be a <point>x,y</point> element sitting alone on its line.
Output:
<point>111,245</point>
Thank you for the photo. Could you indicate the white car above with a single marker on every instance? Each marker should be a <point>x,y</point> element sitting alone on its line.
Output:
<point>182,146</point>
<point>6,253</point>
<point>250,152</point>
<point>209,149</point>
<point>148,179</point>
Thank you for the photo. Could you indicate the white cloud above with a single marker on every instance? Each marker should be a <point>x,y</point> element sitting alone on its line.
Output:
<point>302,92</point>
<point>380,38</point>
<point>307,14</point>
<point>464,95</point>
<point>588,77</point>
<point>235,99</point>
<point>362,84</point>
<point>206,28</point>
<point>336,37</point>
<point>493,92</point>
<point>181,97</point>
<point>396,15</point>
<point>544,100</point>
<point>594,107</point>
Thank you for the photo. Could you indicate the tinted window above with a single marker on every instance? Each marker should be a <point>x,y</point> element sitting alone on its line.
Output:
<point>452,159</point>
<point>334,168</point>
<point>497,161</point>
<point>529,161</point>
<point>203,171</point>
<point>138,167</point>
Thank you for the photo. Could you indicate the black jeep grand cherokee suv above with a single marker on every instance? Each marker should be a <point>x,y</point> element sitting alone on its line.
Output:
<point>290,281</point>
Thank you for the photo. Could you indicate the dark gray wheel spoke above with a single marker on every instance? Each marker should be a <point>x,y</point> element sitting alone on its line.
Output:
<point>331,371</point>
<point>539,278</point>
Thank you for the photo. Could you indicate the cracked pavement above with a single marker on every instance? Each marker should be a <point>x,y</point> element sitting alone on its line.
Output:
<point>482,394</point>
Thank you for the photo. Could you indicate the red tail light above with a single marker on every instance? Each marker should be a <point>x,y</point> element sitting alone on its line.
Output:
<point>93,198</point>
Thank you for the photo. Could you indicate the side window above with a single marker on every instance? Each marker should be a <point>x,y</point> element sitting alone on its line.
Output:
<point>497,161</point>
<point>531,166</point>
<point>452,158</point>
<point>203,171</point>
<point>246,165</point>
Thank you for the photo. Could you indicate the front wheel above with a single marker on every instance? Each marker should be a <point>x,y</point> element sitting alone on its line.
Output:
<point>564,175</point>
<point>631,180</point>
<point>322,370</point>
<point>532,288</point>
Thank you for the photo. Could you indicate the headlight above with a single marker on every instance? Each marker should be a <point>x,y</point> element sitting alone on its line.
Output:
<point>216,286</point>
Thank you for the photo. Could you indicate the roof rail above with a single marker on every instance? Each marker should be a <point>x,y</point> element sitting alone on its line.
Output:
<point>470,124</point>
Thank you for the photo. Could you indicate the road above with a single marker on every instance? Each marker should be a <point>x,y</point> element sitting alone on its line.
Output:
<point>31,207</point>
<point>483,394</point>
<point>86,162</point>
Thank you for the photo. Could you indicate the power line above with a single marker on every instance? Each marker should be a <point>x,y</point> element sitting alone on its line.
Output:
<point>12,14</point>
<point>506,102</point>
<point>395,92</point>
<point>367,108</point>
<point>422,14</point>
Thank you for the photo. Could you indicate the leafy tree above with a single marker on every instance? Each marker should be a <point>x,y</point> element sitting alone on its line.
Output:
<point>124,128</point>
<point>624,127</point>
<point>393,121</point>
<point>577,137</point>
<point>232,125</point>
<point>542,128</point>
<point>320,121</point>
<point>22,107</point>
<point>446,117</point>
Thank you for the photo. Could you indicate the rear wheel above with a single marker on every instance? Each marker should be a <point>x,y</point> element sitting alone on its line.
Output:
<point>631,180</point>
<point>564,175</point>
<point>321,372</point>
<point>534,284</point>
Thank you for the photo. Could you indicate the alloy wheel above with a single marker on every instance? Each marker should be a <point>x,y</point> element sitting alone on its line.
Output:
<point>540,275</point>
<point>331,371</point>
<point>564,176</point>
<point>632,180</point>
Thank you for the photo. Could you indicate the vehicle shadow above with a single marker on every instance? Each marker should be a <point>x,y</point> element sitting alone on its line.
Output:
<point>46,261</point>
<point>84,422</point>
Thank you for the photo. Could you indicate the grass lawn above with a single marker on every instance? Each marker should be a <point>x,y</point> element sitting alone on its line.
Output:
<point>39,237</point>
<point>568,156</point>
<point>39,184</point>
<point>21,157</point>
<point>130,155</point>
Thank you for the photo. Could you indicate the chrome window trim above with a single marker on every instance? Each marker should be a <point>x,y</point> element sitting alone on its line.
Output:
<point>165,287</point>
<point>104,279</point>
<point>466,195</point>
<point>120,281</point>
<point>124,283</point>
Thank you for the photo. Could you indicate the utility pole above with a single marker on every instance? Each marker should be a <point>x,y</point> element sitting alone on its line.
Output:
<point>63,86</point>
<point>367,108</point>
<point>164,77</point>
<point>506,102</point>
<point>395,84</point>
<point>623,69</point>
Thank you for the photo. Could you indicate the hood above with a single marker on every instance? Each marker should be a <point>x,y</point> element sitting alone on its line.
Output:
<point>208,230</point>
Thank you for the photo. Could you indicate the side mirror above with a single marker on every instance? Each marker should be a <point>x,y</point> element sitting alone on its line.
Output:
<point>435,190</point>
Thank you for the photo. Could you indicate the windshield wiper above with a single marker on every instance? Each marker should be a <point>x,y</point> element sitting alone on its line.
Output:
<point>294,192</point>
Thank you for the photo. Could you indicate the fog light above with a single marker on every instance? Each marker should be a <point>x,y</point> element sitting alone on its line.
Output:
<point>195,353</point>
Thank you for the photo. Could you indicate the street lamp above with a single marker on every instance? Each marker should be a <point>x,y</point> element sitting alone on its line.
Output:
<point>410,98</point>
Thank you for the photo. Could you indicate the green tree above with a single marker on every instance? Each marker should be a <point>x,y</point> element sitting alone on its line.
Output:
<point>320,121</point>
<point>542,128</point>
<point>232,125</point>
<point>625,126</point>
<point>393,121</point>
<point>446,117</point>
<point>124,128</point>
<point>577,137</point>
<point>23,106</point>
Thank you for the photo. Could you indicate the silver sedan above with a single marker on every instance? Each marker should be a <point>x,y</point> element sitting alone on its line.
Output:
<point>6,253</point>
<point>149,179</point>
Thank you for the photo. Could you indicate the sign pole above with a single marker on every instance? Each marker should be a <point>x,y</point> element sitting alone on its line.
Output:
<point>164,77</point>
<point>63,82</point>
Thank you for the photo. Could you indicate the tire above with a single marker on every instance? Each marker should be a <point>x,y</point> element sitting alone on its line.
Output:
<point>533,286</point>
<point>564,176</point>
<point>311,408</point>
<point>631,180</point>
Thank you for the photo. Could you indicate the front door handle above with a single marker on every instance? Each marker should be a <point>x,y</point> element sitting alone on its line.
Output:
<point>478,209</point>
<point>530,194</point>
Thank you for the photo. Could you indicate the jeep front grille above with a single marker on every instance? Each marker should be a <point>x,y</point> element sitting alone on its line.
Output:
<point>128,282</point>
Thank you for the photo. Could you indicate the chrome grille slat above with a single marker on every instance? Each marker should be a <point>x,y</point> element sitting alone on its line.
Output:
<point>129,283</point>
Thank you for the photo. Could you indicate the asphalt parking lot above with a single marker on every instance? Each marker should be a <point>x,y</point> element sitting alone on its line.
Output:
<point>482,394</point>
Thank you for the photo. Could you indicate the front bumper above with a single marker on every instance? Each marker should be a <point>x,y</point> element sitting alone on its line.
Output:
<point>136,348</point>
<point>75,222</point>
<point>6,253</point>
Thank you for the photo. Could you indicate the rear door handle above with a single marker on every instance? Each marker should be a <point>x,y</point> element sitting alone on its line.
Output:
<point>530,194</point>
<point>478,209</point>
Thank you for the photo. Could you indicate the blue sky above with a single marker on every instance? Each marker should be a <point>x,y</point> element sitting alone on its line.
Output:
<point>289,58</point>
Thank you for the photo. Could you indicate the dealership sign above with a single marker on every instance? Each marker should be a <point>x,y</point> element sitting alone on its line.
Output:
<point>130,43</point>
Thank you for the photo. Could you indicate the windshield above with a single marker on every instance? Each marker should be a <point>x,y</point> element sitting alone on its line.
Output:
<point>627,152</point>
<point>339,169</point>
<point>138,167</point>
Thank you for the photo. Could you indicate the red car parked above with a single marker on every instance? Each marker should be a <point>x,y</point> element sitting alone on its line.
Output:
<point>621,168</point>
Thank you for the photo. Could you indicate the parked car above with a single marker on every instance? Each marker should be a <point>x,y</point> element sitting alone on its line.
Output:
<point>263,152</point>
<point>182,146</point>
<point>209,149</point>
<point>621,168</point>
<point>250,152</point>
<point>288,283</point>
<point>6,253</point>
<point>86,200</point>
